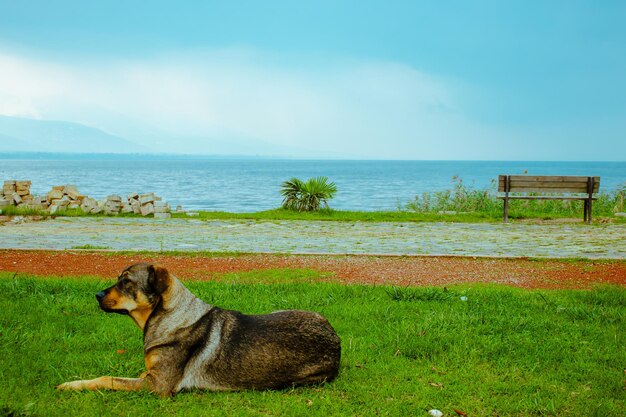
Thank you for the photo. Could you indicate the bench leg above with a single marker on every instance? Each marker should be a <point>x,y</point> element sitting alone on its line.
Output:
<point>589,201</point>
<point>506,210</point>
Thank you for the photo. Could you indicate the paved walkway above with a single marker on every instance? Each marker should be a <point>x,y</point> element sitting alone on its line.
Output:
<point>508,240</point>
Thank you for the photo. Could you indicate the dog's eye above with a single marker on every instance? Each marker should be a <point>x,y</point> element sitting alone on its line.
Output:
<point>124,283</point>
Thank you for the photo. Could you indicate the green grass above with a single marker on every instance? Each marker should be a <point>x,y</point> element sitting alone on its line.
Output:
<point>342,216</point>
<point>21,211</point>
<point>495,216</point>
<point>518,211</point>
<point>503,351</point>
<point>89,247</point>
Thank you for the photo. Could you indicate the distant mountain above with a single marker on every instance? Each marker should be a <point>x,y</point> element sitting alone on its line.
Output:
<point>28,135</point>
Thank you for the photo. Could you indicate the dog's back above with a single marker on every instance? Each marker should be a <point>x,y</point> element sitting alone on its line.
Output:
<point>264,351</point>
<point>279,349</point>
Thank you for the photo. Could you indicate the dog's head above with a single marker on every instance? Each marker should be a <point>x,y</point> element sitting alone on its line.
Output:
<point>138,290</point>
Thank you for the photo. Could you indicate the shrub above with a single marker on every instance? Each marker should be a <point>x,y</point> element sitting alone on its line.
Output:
<point>460,198</point>
<point>307,196</point>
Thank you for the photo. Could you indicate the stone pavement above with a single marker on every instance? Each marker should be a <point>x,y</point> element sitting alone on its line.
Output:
<point>574,240</point>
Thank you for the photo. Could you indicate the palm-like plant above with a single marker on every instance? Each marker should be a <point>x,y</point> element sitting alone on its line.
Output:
<point>307,196</point>
<point>291,191</point>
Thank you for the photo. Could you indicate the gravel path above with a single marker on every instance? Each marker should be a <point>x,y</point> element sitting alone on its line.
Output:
<point>575,240</point>
<point>346,269</point>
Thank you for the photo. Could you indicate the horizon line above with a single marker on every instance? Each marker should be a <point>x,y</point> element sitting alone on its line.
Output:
<point>269,157</point>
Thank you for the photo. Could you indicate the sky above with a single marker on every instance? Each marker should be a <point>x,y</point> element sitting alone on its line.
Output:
<point>484,80</point>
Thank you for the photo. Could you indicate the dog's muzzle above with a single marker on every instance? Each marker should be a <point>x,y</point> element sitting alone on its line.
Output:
<point>100,296</point>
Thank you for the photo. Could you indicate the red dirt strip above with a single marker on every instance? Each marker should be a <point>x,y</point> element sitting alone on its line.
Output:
<point>348,269</point>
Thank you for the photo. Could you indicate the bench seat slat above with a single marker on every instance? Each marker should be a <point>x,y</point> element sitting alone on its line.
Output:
<point>545,197</point>
<point>565,184</point>
<point>536,189</point>
<point>551,178</point>
<point>548,184</point>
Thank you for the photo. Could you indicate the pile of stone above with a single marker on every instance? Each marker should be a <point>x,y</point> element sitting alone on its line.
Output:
<point>146,204</point>
<point>143,204</point>
<point>64,197</point>
<point>17,193</point>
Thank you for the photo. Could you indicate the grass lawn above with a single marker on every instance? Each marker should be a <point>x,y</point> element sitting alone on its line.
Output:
<point>499,352</point>
<point>516,213</point>
<point>346,216</point>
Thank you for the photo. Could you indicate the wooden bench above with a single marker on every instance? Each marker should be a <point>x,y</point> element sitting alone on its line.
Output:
<point>568,188</point>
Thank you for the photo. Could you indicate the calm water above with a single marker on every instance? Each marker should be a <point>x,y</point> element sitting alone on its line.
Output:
<point>243,185</point>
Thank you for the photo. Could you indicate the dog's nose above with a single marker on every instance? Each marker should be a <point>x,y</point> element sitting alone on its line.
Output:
<point>100,296</point>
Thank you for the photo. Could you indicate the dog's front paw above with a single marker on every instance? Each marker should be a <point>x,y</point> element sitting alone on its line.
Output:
<point>72,386</point>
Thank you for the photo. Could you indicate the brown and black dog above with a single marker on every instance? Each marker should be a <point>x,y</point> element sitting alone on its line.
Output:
<point>190,344</point>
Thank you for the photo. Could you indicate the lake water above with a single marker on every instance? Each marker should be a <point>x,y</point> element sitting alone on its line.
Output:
<point>247,185</point>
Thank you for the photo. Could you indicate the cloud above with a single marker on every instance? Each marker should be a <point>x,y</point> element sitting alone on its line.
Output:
<point>358,108</point>
<point>245,101</point>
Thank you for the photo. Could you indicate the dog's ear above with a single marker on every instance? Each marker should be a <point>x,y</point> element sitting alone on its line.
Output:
<point>158,279</point>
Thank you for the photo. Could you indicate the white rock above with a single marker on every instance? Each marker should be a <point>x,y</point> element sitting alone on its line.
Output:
<point>88,205</point>
<point>33,206</point>
<point>54,194</point>
<point>147,209</point>
<point>75,195</point>
<point>161,207</point>
<point>162,215</point>
<point>146,198</point>
<point>17,219</point>
<point>70,188</point>
<point>435,413</point>
<point>113,204</point>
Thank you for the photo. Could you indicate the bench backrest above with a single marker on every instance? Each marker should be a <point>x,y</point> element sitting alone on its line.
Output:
<point>547,184</point>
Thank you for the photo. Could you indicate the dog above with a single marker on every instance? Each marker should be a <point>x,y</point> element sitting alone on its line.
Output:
<point>189,344</point>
